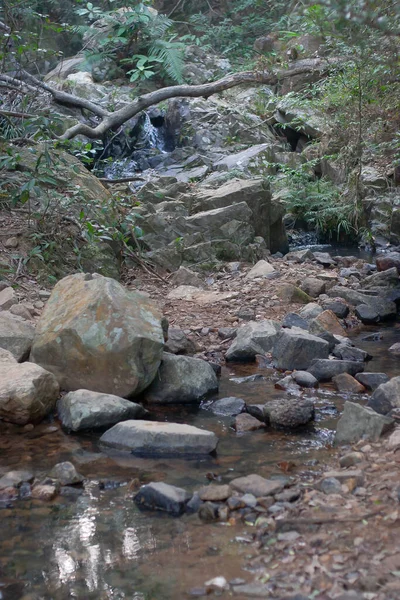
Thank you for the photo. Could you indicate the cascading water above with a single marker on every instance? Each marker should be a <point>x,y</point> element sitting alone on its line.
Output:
<point>151,136</point>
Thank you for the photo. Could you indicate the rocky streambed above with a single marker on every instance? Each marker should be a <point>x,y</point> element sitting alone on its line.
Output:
<point>266,497</point>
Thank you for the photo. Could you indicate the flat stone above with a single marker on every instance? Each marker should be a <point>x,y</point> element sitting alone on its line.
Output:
<point>229,407</point>
<point>256,485</point>
<point>261,269</point>
<point>85,409</point>
<point>215,493</point>
<point>305,379</point>
<point>360,422</point>
<point>299,256</point>
<point>324,258</point>
<point>347,384</point>
<point>295,349</point>
<point>293,320</point>
<point>245,422</point>
<point>372,380</point>
<point>344,476</point>
<point>66,474</point>
<point>347,352</point>
<point>325,369</point>
<point>153,438</point>
<point>162,496</point>
<point>182,380</point>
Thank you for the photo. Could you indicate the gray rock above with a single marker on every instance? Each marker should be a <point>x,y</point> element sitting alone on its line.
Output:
<point>16,335</point>
<point>159,439</point>
<point>257,337</point>
<point>227,333</point>
<point>288,413</point>
<point>66,474</point>
<point>325,370</point>
<point>385,308</point>
<point>310,311</point>
<point>386,396</point>
<point>313,287</point>
<point>229,407</point>
<point>351,459</point>
<point>360,422</point>
<point>295,349</point>
<point>330,485</point>
<point>324,258</point>
<point>388,279</point>
<point>346,352</point>
<point>376,310</point>
<point>293,320</point>
<point>162,496</point>
<point>178,342</point>
<point>256,485</point>
<point>367,314</point>
<point>261,269</point>
<point>15,479</point>
<point>182,380</point>
<point>184,276</point>
<point>299,256</point>
<point>330,338</point>
<point>6,356</point>
<point>246,313</point>
<point>246,422</point>
<point>256,410</point>
<point>372,380</point>
<point>305,379</point>
<point>85,409</point>
<point>8,298</point>
<point>340,309</point>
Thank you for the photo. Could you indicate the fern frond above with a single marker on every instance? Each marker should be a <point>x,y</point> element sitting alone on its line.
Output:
<point>170,54</point>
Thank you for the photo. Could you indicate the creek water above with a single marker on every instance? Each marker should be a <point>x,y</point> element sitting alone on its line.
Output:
<point>99,545</point>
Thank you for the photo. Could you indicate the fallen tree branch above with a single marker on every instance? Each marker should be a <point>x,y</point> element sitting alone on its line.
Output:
<point>141,262</point>
<point>19,115</point>
<point>122,180</point>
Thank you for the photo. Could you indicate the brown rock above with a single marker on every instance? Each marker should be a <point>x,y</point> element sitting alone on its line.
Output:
<point>11,242</point>
<point>44,492</point>
<point>245,422</point>
<point>351,459</point>
<point>21,311</point>
<point>215,493</point>
<point>344,476</point>
<point>7,298</point>
<point>388,261</point>
<point>346,383</point>
<point>326,321</point>
<point>256,485</point>
<point>313,287</point>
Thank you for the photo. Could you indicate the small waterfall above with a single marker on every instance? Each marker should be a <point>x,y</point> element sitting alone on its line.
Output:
<point>151,136</point>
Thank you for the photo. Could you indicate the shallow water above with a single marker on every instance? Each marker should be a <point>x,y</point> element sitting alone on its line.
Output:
<point>100,545</point>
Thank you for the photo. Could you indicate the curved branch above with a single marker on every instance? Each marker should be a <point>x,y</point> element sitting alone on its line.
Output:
<point>117,118</point>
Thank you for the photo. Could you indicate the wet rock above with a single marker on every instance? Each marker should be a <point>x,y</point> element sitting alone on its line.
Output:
<point>194,503</point>
<point>385,279</point>
<point>15,479</point>
<point>179,343</point>
<point>287,384</point>
<point>290,495</point>
<point>94,334</point>
<point>293,320</point>
<point>305,379</point>
<point>326,321</point>
<point>385,308</point>
<point>372,380</point>
<point>260,269</point>
<point>182,380</point>
<point>229,407</point>
<point>347,384</point>
<point>84,409</point>
<point>66,474</point>
<point>16,335</point>
<point>395,348</point>
<point>218,584</point>
<point>310,311</point>
<point>325,369</point>
<point>245,422</point>
<point>351,459</point>
<point>373,337</point>
<point>360,422</point>
<point>340,309</point>
<point>257,337</point>
<point>162,496</point>
<point>27,392</point>
<point>313,287</point>
<point>367,314</point>
<point>208,512</point>
<point>330,485</point>
<point>289,412</point>
<point>8,298</point>
<point>289,293</point>
<point>330,338</point>
<point>6,356</point>
<point>215,493</point>
<point>347,352</point>
<point>256,410</point>
<point>184,276</point>
<point>44,492</point>
<point>388,261</point>
<point>295,349</point>
<point>299,256</point>
<point>152,438</point>
<point>324,259</point>
<point>256,485</point>
<point>227,333</point>
<point>386,396</point>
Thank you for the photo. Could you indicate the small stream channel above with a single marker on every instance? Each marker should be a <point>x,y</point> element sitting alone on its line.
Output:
<point>99,545</point>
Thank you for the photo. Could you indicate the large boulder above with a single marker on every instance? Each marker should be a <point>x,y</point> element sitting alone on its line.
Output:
<point>295,349</point>
<point>360,422</point>
<point>16,335</point>
<point>182,380</point>
<point>326,321</point>
<point>162,439</point>
<point>27,392</point>
<point>325,369</point>
<point>288,412</point>
<point>94,334</point>
<point>257,337</point>
<point>386,396</point>
<point>84,409</point>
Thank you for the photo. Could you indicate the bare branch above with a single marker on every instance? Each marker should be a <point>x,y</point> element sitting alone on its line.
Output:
<point>18,115</point>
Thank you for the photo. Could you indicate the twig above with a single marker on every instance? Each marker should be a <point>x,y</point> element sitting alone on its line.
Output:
<point>143,264</point>
<point>19,115</point>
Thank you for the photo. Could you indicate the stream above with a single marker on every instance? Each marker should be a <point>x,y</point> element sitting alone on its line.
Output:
<point>98,545</point>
